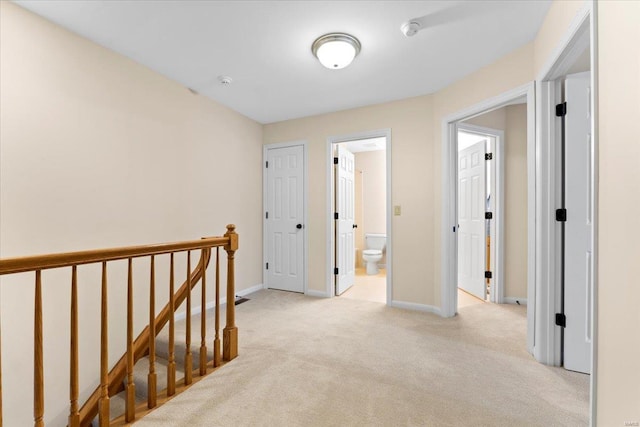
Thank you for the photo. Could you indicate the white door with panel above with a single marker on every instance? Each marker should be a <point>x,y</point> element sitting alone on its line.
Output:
<point>578,252</point>
<point>471,221</point>
<point>284,218</point>
<point>345,219</point>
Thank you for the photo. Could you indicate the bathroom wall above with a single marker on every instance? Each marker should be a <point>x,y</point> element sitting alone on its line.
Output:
<point>372,164</point>
<point>359,219</point>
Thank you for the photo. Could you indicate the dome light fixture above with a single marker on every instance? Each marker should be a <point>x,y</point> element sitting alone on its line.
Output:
<point>336,50</point>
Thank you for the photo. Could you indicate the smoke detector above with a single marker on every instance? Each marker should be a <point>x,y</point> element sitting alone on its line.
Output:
<point>224,80</point>
<point>410,28</point>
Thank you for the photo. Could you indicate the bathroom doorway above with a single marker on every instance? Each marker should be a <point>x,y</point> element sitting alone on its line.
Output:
<point>359,201</point>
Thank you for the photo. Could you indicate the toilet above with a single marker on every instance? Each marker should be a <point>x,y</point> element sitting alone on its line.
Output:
<point>375,245</point>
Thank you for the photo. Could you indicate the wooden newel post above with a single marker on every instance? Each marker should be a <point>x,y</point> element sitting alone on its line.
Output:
<point>230,336</point>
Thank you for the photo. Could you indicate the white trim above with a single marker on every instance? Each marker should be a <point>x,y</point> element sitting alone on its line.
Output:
<point>498,206</point>
<point>212,304</point>
<point>305,151</point>
<point>386,133</point>
<point>563,55</point>
<point>532,173</point>
<point>594,167</point>
<point>514,300</point>
<point>250,290</point>
<point>548,291</point>
<point>582,30</point>
<point>416,307</point>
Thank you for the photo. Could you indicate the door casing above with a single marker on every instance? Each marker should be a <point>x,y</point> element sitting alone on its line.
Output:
<point>265,150</point>
<point>330,230</point>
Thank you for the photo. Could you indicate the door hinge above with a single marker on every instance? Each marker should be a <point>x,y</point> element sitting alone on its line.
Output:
<point>561,109</point>
<point>488,215</point>
<point>335,271</point>
<point>488,156</point>
<point>267,266</point>
<point>266,164</point>
<point>266,215</point>
<point>561,320</point>
<point>335,160</point>
<point>487,275</point>
<point>561,215</point>
<point>336,216</point>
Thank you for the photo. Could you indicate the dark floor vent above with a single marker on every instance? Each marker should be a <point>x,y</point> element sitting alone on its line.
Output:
<point>240,300</point>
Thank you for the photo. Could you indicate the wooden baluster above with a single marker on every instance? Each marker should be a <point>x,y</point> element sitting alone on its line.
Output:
<point>103,403</point>
<point>38,369</point>
<point>74,415</point>
<point>216,341</point>
<point>188,358</point>
<point>152,378</point>
<point>230,337</point>
<point>130,412</point>
<point>171,367</point>
<point>203,320</point>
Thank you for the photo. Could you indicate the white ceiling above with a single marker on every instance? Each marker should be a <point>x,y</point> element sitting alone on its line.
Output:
<point>265,46</point>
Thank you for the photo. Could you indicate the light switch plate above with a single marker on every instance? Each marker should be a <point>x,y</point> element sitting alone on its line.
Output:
<point>397,211</point>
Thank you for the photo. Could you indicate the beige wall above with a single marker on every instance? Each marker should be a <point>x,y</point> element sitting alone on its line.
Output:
<point>374,191</point>
<point>130,131</point>
<point>496,119</point>
<point>372,168</point>
<point>412,160</point>
<point>553,28</point>
<point>513,121</point>
<point>515,208</point>
<point>416,164</point>
<point>98,151</point>
<point>618,351</point>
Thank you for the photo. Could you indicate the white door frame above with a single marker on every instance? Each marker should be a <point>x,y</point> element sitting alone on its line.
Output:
<point>305,215</point>
<point>581,33</point>
<point>497,239</point>
<point>549,135</point>
<point>330,231</point>
<point>449,241</point>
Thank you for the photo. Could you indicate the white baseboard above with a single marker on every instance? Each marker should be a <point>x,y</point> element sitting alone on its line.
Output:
<point>250,290</point>
<point>317,294</point>
<point>512,300</point>
<point>223,299</point>
<point>416,307</point>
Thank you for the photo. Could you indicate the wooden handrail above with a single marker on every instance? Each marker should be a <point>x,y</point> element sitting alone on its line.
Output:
<point>68,259</point>
<point>111,382</point>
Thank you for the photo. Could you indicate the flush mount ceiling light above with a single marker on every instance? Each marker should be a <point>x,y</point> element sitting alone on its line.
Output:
<point>336,50</point>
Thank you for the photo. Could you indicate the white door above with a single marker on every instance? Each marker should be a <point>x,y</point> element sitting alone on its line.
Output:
<point>345,218</point>
<point>284,218</point>
<point>578,279</point>
<point>471,222</point>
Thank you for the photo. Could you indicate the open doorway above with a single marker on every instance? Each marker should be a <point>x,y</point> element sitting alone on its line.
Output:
<point>359,204</point>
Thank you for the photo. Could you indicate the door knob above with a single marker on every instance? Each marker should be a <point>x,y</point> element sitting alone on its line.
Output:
<point>299,226</point>
<point>355,226</point>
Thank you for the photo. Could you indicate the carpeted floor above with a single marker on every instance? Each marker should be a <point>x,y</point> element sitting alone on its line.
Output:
<point>342,362</point>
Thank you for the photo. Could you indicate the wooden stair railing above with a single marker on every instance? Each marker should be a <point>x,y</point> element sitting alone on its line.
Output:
<point>111,382</point>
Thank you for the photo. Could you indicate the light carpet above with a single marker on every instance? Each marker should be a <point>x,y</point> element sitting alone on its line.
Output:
<point>341,362</point>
